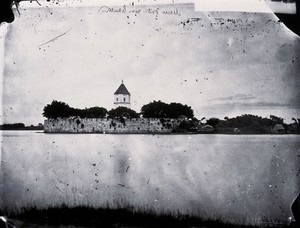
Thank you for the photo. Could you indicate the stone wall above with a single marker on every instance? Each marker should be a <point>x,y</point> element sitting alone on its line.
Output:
<point>106,125</point>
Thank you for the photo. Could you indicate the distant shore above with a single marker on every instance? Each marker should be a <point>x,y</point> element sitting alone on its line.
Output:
<point>41,130</point>
<point>20,127</point>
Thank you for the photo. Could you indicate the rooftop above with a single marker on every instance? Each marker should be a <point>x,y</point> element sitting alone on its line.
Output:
<point>122,89</point>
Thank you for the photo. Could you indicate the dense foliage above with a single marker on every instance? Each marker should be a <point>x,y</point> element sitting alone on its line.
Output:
<point>94,112</point>
<point>155,109</point>
<point>61,109</point>
<point>123,112</point>
<point>57,109</point>
<point>159,109</point>
<point>248,123</point>
<point>213,121</point>
<point>246,120</point>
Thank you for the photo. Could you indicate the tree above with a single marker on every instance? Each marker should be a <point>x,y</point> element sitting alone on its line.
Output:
<point>57,109</point>
<point>176,110</point>
<point>186,126</point>
<point>213,121</point>
<point>276,119</point>
<point>82,113</point>
<point>61,109</point>
<point>122,112</point>
<point>295,120</point>
<point>96,112</point>
<point>155,109</point>
<point>159,109</point>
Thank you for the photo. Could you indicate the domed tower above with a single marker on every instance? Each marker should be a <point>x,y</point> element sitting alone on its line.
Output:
<point>122,97</point>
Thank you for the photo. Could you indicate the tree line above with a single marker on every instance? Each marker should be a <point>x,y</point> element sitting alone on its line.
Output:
<point>20,126</point>
<point>155,109</point>
<point>247,123</point>
<point>246,120</point>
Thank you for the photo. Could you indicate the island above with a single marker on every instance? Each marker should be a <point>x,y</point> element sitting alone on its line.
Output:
<point>157,117</point>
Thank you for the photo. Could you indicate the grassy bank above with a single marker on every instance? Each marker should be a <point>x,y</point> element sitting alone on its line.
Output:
<point>64,216</point>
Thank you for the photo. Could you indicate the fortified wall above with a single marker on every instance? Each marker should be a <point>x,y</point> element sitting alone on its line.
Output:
<point>107,125</point>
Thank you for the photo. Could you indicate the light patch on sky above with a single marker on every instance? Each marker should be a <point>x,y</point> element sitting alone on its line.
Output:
<point>233,5</point>
<point>219,63</point>
<point>266,6</point>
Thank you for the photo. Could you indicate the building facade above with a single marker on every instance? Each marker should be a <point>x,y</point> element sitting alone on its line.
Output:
<point>122,97</point>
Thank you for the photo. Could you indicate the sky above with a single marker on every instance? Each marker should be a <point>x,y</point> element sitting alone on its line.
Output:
<point>219,63</point>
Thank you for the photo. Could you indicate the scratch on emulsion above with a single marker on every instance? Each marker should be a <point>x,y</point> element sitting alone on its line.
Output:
<point>55,38</point>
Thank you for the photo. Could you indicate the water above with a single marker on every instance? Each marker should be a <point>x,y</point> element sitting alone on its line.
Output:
<point>239,178</point>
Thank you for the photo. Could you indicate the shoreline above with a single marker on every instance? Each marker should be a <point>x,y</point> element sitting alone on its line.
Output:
<point>162,133</point>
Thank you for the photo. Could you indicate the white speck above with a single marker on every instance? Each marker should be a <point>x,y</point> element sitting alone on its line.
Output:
<point>3,219</point>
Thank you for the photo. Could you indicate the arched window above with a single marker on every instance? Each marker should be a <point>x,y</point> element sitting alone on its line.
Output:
<point>124,99</point>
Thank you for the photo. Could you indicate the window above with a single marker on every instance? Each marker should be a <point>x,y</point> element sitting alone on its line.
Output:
<point>116,99</point>
<point>124,99</point>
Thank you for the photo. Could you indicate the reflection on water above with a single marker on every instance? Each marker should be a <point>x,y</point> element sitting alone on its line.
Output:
<point>237,177</point>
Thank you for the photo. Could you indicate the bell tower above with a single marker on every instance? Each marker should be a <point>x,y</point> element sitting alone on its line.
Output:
<point>122,97</point>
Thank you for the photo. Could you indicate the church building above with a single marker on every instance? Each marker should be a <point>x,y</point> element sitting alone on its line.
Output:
<point>122,97</point>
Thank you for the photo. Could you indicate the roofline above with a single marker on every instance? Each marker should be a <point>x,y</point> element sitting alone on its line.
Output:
<point>121,102</point>
<point>122,93</point>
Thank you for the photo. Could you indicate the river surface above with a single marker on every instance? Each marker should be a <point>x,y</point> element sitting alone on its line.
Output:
<point>239,178</point>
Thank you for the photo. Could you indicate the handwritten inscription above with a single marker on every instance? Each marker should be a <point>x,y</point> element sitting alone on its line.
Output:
<point>106,9</point>
<point>151,10</point>
<point>172,12</point>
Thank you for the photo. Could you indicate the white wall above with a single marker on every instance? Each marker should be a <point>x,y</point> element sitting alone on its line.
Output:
<point>120,102</point>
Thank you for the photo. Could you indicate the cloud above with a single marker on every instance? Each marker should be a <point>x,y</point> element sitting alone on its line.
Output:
<point>249,105</point>
<point>236,97</point>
